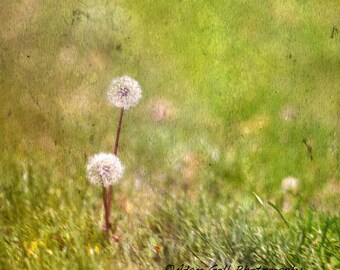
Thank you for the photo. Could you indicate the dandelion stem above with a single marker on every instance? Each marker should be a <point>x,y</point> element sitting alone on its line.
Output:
<point>118,131</point>
<point>107,214</point>
<point>115,151</point>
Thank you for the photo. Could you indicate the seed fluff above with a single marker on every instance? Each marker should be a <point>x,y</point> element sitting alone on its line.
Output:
<point>124,92</point>
<point>104,169</point>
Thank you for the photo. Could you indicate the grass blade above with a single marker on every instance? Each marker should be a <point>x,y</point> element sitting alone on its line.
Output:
<point>279,212</point>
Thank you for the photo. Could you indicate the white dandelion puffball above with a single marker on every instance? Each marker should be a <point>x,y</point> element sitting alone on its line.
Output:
<point>289,184</point>
<point>104,169</point>
<point>124,92</point>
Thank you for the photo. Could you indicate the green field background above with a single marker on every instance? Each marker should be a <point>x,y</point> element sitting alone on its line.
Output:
<point>237,95</point>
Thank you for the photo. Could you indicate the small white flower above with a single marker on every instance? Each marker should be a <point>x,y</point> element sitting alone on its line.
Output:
<point>124,92</point>
<point>289,184</point>
<point>104,169</point>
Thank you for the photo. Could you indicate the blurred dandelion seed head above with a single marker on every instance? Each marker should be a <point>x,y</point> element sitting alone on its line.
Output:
<point>161,109</point>
<point>124,92</point>
<point>104,169</point>
<point>289,184</point>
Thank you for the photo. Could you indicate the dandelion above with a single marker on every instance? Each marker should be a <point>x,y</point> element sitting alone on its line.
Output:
<point>289,184</point>
<point>104,169</point>
<point>124,92</point>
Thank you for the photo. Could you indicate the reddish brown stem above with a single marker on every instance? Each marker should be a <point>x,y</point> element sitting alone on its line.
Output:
<point>115,151</point>
<point>107,213</point>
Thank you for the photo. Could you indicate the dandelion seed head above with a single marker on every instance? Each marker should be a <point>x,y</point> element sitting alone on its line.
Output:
<point>104,169</point>
<point>289,184</point>
<point>124,92</point>
<point>161,109</point>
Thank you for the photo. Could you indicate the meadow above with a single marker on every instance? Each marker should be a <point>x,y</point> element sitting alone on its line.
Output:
<point>237,96</point>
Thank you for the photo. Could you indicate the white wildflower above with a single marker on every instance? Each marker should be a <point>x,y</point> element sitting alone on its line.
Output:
<point>289,184</point>
<point>124,92</point>
<point>104,169</point>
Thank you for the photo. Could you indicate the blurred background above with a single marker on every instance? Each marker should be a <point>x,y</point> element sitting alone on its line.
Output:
<point>237,96</point>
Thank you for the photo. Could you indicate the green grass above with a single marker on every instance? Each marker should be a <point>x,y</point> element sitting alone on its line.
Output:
<point>244,83</point>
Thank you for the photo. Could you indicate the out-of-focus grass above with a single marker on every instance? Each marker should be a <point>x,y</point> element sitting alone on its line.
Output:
<point>231,89</point>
